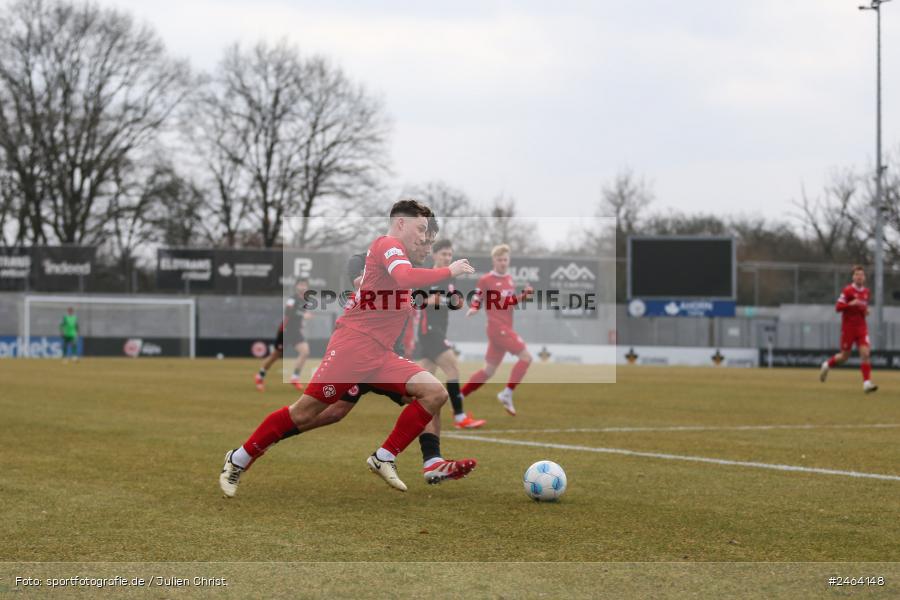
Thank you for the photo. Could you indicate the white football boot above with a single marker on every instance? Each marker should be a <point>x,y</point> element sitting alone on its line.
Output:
<point>823,371</point>
<point>505,397</point>
<point>387,470</point>
<point>869,387</point>
<point>230,476</point>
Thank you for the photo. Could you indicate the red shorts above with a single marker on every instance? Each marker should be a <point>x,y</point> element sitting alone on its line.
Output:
<point>500,342</point>
<point>854,335</point>
<point>353,357</point>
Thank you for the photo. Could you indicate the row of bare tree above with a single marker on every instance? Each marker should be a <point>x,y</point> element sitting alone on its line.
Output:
<point>834,226</point>
<point>105,139</point>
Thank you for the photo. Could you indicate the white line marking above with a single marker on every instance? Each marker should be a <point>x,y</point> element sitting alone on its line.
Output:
<point>700,459</point>
<point>687,428</point>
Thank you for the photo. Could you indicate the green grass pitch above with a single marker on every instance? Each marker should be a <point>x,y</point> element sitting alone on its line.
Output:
<point>116,461</point>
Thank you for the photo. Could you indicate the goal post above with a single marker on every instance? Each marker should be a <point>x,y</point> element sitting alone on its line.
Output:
<point>170,322</point>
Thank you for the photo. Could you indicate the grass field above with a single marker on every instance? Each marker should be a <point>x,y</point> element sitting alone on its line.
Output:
<point>116,460</point>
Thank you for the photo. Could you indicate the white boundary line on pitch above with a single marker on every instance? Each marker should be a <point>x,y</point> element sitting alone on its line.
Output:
<point>700,459</point>
<point>685,428</point>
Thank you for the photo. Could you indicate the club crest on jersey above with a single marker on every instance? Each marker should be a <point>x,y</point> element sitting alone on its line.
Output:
<point>329,391</point>
<point>395,251</point>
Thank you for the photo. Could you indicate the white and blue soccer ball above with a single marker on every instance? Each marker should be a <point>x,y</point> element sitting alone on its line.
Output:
<point>545,481</point>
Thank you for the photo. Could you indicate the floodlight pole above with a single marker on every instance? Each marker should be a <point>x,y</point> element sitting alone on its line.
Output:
<point>879,193</point>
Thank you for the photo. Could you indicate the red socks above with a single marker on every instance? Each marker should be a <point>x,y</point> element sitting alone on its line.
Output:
<point>410,424</point>
<point>475,381</point>
<point>479,377</point>
<point>865,367</point>
<point>518,372</point>
<point>272,429</point>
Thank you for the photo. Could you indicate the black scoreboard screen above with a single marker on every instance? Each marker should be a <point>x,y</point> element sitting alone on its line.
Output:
<point>681,267</point>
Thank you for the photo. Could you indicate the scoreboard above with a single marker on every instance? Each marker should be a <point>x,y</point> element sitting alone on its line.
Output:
<point>681,267</point>
<point>682,275</point>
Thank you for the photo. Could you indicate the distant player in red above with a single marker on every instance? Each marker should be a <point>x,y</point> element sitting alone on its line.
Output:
<point>853,304</point>
<point>497,293</point>
<point>295,314</point>
<point>360,351</point>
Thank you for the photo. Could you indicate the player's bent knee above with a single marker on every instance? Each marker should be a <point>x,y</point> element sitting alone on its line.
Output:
<point>436,398</point>
<point>428,390</point>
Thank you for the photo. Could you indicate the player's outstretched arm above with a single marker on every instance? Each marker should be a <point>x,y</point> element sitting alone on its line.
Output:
<point>409,276</point>
<point>461,267</point>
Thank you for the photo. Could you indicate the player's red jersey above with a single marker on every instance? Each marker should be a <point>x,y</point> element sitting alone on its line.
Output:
<point>497,294</point>
<point>384,301</point>
<point>853,317</point>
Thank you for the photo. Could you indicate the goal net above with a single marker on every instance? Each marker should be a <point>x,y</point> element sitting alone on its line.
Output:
<point>109,326</point>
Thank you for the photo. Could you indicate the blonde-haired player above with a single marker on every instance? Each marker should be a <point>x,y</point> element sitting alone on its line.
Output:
<point>497,293</point>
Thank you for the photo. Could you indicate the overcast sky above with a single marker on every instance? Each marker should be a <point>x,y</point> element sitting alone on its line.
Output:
<point>725,106</point>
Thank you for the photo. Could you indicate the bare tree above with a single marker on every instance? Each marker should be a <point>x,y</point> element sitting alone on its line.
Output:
<point>891,203</point>
<point>837,220</point>
<point>501,224</point>
<point>626,198</point>
<point>221,156</point>
<point>678,223</point>
<point>458,217</point>
<point>84,91</point>
<point>176,209</point>
<point>283,137</point>
<point>10,201</point>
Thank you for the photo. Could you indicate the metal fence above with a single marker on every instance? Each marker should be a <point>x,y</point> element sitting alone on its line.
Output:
<point>777,283</point>
<point>773,283</point>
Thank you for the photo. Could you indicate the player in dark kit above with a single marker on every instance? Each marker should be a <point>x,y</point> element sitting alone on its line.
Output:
<point>433,347</point>
<point>295,314</point>
<point>853,304</point>
<point>360,352</point>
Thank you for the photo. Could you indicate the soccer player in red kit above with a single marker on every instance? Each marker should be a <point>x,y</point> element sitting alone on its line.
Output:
<point>496,291</point>
<point>853,304</point>
<point>360,351</point>
<point>435,468</point>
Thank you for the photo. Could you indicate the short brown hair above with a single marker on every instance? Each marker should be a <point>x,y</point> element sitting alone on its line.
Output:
<point>441,244</point>
<point>857,268</point>
<point>410,208</point>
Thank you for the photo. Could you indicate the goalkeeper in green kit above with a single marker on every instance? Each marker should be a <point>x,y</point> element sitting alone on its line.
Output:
<point>68,329</point>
